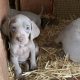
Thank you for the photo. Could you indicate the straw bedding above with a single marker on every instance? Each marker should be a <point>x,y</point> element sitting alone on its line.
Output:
<point>53,64</point>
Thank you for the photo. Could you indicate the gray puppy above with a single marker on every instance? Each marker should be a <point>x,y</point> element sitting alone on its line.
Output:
<point>21,32</point>
<point>70,38</point>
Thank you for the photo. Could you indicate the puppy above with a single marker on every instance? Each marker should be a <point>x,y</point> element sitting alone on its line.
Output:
<point>21,32</point>
<point>70,38</point>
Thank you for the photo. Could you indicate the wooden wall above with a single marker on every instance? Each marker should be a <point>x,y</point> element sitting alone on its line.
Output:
<point>60,8</point>
<point>67,8</point>
<point>36,5</point>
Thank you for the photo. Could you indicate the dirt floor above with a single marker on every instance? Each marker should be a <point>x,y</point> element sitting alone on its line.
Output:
<point>52,63</point>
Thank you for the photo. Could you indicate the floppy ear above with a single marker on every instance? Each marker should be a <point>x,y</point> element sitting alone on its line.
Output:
<point>35,30</point>
<point>5,28</point>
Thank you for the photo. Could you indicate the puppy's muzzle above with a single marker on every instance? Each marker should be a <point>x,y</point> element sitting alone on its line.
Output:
<point>20,39</point>
<point>23,38</point>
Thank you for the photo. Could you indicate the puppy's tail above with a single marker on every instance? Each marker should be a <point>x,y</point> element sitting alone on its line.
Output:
<point>42,10</point>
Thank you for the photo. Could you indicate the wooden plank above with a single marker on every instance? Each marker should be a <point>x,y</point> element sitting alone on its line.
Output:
<point>3,61</point>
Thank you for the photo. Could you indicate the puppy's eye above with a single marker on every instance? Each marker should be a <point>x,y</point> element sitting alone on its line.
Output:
<point>27,28</point>
<point>13,28</point>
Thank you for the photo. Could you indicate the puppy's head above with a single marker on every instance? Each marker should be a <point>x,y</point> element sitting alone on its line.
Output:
<point>22,28</point>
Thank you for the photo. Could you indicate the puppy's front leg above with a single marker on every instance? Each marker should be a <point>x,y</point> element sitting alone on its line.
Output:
<point>16,66</point>
<point>33,64</point>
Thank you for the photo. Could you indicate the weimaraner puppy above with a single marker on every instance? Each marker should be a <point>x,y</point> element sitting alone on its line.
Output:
<point>70,38</point>
<point>21,32</point>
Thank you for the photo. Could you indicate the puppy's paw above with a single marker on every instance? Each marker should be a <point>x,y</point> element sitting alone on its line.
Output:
<point>33,67</point>
<point>18,73</point>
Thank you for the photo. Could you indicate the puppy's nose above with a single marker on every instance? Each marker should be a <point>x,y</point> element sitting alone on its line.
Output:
<point>20,39</point>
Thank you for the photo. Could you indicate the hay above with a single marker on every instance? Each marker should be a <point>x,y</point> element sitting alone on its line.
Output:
<point>51,66</point>
<point>54,70</point>
<point>59,69</point>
